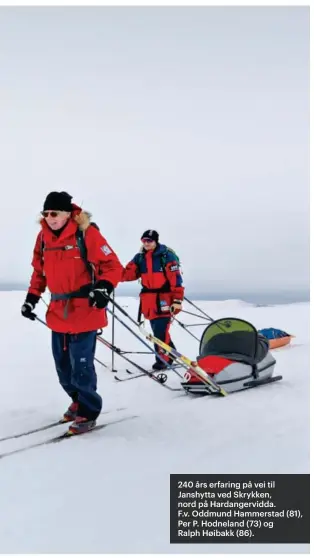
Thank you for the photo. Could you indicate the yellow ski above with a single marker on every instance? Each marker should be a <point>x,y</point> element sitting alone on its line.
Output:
<point>185,361</point>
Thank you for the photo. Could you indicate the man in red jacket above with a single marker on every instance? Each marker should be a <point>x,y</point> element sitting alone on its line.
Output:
<point>79,296</point>
<point>162,291</point>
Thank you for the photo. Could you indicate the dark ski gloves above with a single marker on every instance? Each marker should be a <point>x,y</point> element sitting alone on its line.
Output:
<point>29,305</point>
<point>99,296</point>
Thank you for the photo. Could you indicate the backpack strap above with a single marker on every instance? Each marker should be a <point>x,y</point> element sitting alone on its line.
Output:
<point>163,259</point>
<point>80,242</point>
<point>42,245</point>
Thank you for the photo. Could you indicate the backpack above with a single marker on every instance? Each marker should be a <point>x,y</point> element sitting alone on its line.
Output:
<point>164,258</point>
<point>80,243</point>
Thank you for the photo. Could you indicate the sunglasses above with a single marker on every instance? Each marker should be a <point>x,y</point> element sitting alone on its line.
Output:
<point>51,213</point>
<point>147,240</point>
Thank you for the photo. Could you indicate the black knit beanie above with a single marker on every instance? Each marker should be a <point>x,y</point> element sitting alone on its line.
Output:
<point>58,201</point>
<point>151,235</point>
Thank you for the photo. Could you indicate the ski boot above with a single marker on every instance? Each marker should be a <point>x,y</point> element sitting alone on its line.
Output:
<point>159,365</point>
<point>71,413</point>
<point>81,425</point>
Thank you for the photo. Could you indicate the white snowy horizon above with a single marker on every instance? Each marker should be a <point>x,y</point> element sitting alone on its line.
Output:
<point>120,475</point>
<point>261,298</point>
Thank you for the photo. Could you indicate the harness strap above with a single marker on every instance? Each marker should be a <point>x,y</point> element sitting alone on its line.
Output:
<point>164,289</point>
<point>83,292</point>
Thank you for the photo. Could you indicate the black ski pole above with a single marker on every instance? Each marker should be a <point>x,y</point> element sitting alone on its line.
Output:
<point>41,321</point>
<point>112,335</point>
<point>118,351</point>
<point>136,352</point>
<point>102,363</point>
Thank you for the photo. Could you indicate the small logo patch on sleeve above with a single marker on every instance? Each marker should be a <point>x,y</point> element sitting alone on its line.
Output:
<point>106,250</point>
<point>174,268</point>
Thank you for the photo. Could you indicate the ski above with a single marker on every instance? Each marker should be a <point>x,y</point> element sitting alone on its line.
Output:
<point>158,376</point>
<point>40,429</point>
<point>150,372</point>
<point>145,372</point>
<point>142,375</point>
<point>132,377</point>
<point>66,436</point>
<point>48,426</point>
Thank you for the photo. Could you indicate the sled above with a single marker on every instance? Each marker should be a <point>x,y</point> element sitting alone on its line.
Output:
<point>235,355</point>
<point>276,337</point>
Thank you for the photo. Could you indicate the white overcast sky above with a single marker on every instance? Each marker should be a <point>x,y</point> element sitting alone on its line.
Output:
<point>193,121</point>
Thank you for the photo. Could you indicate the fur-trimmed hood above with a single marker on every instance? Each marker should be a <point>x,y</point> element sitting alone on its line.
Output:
<point>79,216</point>
<point>83,219</point>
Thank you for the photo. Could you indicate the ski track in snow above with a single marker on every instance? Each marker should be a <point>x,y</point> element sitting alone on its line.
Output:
<point>116,480</point>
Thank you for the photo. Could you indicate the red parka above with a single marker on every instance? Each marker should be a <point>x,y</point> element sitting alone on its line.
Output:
<point>64,271</point>
<point>161,280</point>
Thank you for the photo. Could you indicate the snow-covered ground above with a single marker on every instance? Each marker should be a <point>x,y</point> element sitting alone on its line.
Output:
<point>108,491</point>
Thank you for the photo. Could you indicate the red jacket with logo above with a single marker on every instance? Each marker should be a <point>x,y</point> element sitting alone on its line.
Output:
<point>161,280</point>
<point>64,271</point>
